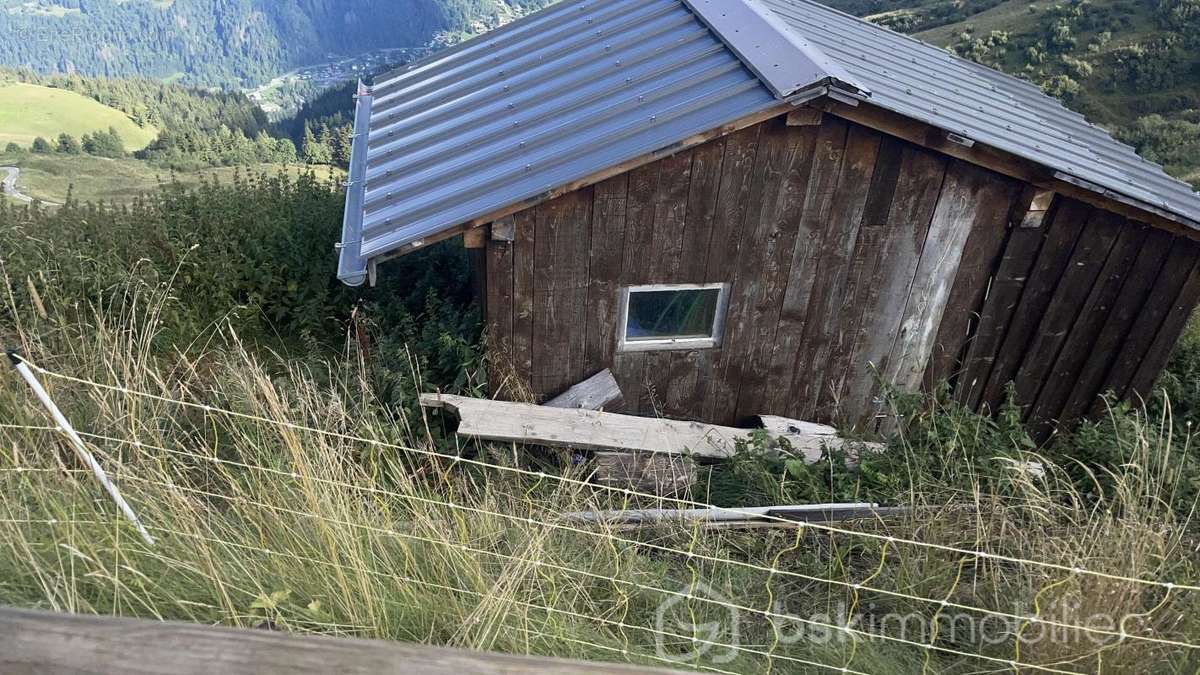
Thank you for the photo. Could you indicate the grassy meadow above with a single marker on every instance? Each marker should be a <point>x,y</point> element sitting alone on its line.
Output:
<point>51,177</point>
<point>331,504</point>
<point>28,111</point>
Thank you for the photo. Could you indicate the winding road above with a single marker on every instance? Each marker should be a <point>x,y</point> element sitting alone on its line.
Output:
<point>8,186</point>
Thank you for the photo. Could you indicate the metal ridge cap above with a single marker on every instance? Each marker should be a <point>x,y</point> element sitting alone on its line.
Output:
<point>782,59</point>
<point>352,269</point>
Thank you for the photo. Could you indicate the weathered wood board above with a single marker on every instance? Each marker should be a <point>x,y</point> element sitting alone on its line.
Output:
<point>598,392</point>
<point>36,643</point>
<point>600,431</point>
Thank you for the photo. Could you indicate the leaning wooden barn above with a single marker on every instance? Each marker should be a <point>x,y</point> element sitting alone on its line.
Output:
<point>767,206</point>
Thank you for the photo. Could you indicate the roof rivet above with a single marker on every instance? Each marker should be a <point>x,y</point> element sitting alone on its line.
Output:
<point>653,118</point>
<point>641,97</point>
<point>529,167</point>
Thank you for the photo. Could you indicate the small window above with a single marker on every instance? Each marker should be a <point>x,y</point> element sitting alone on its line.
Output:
<point>672,316</point>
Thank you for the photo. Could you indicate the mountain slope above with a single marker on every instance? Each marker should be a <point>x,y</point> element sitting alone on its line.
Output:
<point>28,111</point>
<point>1132,66</point>
<point>223,41</point>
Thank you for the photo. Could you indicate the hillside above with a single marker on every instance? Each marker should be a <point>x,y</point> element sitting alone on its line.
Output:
<point>1132,66</point>
<point>120,181</point>
<point>225,42</point>
<point>28,111</point>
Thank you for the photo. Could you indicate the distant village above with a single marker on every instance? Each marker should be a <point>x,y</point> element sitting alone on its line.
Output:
<point>284,94</point>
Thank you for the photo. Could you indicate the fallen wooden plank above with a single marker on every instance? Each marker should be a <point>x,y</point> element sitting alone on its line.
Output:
<point>598,392</point>
<point>44,642</point>
<point>655,473</point>
<point>811,440</point>
<point>783,426</point>
<point>585,429</point>
<point>594,430</point>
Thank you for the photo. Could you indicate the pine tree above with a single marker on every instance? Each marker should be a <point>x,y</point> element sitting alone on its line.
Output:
<point>313,150</point>
<point>41,146</point>
<point>69,145</point>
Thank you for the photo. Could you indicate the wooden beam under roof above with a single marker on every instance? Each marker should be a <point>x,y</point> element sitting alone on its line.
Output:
<point>1008,164</point>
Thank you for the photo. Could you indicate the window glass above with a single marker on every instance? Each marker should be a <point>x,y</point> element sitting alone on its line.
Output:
<point>667,314</point>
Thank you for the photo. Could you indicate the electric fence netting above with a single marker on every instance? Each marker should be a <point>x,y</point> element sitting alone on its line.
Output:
<point>418,535</point>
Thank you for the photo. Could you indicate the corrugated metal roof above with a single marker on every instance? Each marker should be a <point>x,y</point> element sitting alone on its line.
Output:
<point>542,102</point>
<point>928,83</point>
<point>585,85</point>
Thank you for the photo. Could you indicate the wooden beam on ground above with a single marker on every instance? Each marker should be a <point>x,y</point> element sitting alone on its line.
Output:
<point>584,429</point>
<point>592,430</point>
<point>34,642</point>
<point>655,473</point>
<point>652,472</point>
<point>811,439</point>
<point>598,392</point>
<point>783,427</point>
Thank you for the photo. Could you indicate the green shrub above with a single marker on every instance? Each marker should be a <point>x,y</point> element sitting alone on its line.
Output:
<point>255,256</point>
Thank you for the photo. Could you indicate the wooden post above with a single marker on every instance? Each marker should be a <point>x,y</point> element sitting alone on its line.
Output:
<point>77,444</point>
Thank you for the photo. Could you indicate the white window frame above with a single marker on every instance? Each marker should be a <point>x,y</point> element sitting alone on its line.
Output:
<point>657,344</point>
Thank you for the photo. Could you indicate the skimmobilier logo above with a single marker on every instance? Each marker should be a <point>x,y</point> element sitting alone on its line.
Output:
<point>697,623</point>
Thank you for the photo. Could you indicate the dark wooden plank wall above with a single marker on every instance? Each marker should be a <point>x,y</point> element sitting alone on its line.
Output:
<point>1086,303</point>
<point>852,257</point>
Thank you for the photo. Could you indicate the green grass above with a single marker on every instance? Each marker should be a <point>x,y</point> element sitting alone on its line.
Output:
<point>1013,16</point>
<point>28,111</point>
<point>313,533</point>
<point>49,177</point>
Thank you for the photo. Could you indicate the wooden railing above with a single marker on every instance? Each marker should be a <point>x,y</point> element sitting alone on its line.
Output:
<point>53,644</point>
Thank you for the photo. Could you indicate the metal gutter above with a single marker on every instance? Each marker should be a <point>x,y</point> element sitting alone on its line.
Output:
<point>352,268</point>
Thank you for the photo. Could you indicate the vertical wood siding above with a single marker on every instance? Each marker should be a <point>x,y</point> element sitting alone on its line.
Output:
<point>853,258</point>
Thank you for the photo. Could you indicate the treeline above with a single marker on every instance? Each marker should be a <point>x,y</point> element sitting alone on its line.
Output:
<point>323,128</point>
<point>196,127</point>
<point>99,143</point>
<point>224,42</point>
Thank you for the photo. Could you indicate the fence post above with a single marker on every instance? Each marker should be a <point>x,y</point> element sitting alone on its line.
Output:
<point>77,443</point>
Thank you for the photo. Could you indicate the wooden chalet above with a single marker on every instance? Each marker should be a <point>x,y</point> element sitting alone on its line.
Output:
<point>751,207</point>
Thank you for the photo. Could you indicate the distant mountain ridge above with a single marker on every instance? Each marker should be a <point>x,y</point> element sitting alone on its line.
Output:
<point>225,42</point>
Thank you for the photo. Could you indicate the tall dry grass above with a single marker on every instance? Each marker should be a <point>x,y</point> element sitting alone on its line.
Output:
<point>294,523</point>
